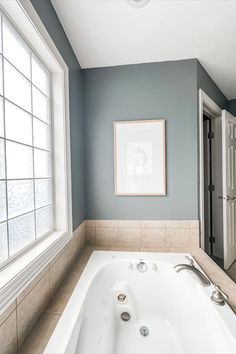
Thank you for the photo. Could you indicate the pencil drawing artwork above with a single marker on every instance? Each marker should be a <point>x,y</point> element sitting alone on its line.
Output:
<point>139,157</point>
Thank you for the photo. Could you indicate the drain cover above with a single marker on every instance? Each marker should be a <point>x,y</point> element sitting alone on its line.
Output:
<point>144,331</point>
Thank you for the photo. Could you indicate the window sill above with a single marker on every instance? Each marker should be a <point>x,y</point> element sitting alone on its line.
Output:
<point>17,275</point>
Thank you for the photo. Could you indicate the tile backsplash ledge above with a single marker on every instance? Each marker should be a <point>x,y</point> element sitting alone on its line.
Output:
<point>182,235</point>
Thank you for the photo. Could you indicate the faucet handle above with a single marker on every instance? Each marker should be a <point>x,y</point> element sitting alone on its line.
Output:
<point>218,296</point>
<point>218,289</point>
<point>191,261</point>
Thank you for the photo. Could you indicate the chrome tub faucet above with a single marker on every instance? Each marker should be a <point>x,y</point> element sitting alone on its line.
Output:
<point>191,267</point>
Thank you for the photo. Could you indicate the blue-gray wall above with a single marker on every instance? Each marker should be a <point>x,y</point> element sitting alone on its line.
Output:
<point>232,107</point>
<point>144,91</point>
<point>50,20</point>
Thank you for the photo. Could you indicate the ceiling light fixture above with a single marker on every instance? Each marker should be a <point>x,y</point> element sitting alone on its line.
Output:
<point>137,3</point>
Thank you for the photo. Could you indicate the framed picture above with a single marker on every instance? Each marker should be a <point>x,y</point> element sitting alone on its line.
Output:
<point>139,157</point>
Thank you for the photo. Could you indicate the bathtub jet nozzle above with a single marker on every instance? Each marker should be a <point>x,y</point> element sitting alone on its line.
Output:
<point>121,297</point>
<point>144,331</point>
<point>125,316</point>
<point>142,266</point>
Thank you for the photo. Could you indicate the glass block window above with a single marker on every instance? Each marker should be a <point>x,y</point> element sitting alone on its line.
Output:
<point>26,200</point>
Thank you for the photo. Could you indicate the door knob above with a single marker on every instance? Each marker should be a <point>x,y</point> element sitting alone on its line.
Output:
<point>230,198</point>
<point>227,198</point>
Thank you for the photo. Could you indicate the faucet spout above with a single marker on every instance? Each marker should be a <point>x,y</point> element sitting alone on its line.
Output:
<point>190,267</point>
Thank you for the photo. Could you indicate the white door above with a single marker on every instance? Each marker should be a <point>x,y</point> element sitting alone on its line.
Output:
<point>229,187</point>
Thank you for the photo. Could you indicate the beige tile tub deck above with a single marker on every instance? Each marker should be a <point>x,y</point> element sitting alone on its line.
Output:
<point>31,307</point>
<point>40,335</point>
<point>8,335</point>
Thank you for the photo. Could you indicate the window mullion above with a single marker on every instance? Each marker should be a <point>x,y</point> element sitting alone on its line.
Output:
<point>4,139</point>
<point>32,121</point>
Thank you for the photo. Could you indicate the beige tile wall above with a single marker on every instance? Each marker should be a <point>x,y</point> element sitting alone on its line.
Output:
<point>19,318</point>
<point>181,235</point>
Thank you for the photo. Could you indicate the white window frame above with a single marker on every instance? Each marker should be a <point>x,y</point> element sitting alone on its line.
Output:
<point>16,275</point>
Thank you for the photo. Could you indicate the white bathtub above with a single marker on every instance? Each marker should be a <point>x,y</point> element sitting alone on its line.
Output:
<point>175,307</point>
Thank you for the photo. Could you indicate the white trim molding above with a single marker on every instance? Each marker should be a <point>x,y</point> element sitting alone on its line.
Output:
<point>15,276</point>
<point>209,107</point>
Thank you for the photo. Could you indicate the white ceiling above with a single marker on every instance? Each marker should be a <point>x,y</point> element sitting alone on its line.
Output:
<point>110,32</point>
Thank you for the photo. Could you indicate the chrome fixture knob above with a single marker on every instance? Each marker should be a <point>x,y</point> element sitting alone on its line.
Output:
<point>219,296</point>
<point>191,261</point>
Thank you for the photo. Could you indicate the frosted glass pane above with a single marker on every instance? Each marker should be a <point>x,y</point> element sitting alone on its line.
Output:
<point>43,192</point>
<point>41,134</point>
<point>1,118</point>
<point>41,163</point>
<point>21,232</point>
<point>2,159</point>
<point>44,221</point>
<point>17,88</point>
<point>40,76</point>
<point>40,106</point>
<point>20,197</point>
<point>3,242</point>
<point>19,161</point>
<point>15,49</point>
<point>3,214</point>
<point>18,124</point>
<point>0,34</point>
<point>1,79</point>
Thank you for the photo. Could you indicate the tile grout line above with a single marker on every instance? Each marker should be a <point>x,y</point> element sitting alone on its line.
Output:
<point>8,315</point>
<point>17,329</point>
<point>17,304</point>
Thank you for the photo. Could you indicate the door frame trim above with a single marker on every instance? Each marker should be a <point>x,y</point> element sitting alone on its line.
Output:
<point>210,108</point>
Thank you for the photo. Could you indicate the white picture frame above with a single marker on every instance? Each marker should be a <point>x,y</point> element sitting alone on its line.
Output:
<point>139,157</point>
